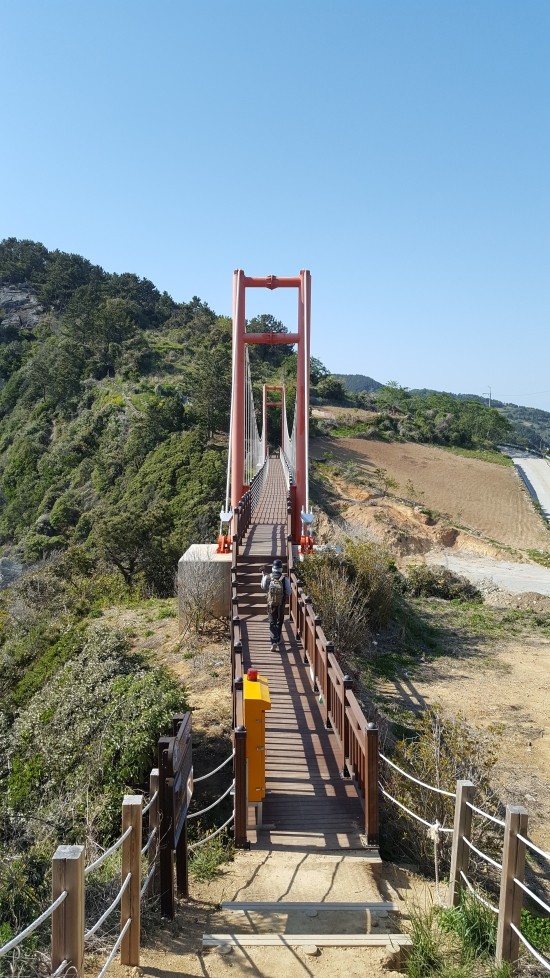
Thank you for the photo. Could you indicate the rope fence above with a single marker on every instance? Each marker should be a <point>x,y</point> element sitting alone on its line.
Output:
<point>213,835</point>
<point>430,787</point>
<point>93,930</point>
<point>16,941</point>
<point>511,869</point>
<point>203,777</point>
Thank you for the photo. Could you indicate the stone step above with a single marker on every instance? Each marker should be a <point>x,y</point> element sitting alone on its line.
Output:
<point>290,906</point>
<point>295,940</point>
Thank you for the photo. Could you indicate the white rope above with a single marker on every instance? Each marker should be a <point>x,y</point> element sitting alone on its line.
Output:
<point>150,875</point>
<point>149,842</point>
<point>542,960</point>
<point>89,933</point>
<point>481,854</point>
<point>440,791</point>
<point>477,895</point>
<point>118,942</point>
<point>59,971</point>
<point>532,895</point>
<point>214,834</point>
<point>527,842</point>
<point>430,825</point>
<point>99,862</point>
<point>214,803</point>
<point>203,777</point>
<point>32,927</point>
<point>491,818</point>
<point>153,799</point>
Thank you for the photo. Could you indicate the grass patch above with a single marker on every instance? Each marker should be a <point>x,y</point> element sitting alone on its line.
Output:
<point>540,557</point>
<point>205,861</point>
<point>483,454</point>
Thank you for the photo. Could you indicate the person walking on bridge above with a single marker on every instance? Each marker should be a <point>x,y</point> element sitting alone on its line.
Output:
<point>278,590</point>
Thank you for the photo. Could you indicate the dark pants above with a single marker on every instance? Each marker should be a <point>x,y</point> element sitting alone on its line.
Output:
<point>275,619</point>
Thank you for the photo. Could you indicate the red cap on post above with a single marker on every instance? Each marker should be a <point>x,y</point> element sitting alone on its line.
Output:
<point>252,675</point>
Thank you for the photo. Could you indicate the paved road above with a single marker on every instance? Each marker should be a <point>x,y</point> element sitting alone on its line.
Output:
<point>515,578</point>
<point>535,472</point>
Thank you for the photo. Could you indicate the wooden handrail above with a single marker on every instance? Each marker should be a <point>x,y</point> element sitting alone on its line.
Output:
<point>356,739</point>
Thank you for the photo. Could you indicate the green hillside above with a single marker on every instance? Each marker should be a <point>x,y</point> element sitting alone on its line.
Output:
<point>529,427</point>
<point>114,414</point>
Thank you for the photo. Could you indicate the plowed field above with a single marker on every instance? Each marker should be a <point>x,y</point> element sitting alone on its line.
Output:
<point>482,496</point>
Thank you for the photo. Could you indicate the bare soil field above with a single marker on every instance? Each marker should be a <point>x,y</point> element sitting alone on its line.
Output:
<point>481,496</point>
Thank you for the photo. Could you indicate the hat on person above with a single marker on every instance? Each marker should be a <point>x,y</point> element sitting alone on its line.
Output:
<point>277,567</point>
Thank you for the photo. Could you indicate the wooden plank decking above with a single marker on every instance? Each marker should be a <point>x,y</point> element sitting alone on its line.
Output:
<point>309,804</point>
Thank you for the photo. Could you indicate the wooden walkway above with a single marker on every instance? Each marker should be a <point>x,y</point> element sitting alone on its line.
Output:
<point>309,804</point>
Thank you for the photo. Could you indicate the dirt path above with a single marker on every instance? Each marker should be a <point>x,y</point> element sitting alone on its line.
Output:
<point>176,949</point>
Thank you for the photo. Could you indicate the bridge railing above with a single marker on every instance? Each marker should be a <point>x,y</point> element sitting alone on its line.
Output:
<point>239,729</point>
<point>356,739</point>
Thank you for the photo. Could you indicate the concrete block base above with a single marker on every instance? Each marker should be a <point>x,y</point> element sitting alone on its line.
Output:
<point>204,577</point>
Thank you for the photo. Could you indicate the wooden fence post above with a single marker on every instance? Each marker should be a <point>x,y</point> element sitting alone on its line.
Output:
<point>241,789</point>
<point>130,905</point>
<point>154,823</point>
<point>462,830</point>
<point>68,919</point>
<point>511,896</point>
<point>372,830</point>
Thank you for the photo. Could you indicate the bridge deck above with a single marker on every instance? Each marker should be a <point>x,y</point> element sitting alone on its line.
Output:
<point>309,804</point>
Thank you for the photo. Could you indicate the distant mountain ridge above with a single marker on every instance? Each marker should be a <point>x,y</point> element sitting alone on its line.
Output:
<point>531,424</point>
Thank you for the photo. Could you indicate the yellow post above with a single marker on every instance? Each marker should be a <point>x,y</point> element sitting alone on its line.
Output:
<point>256,703</point>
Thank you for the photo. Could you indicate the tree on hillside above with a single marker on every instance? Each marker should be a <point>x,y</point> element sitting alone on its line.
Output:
<point>210,389</point>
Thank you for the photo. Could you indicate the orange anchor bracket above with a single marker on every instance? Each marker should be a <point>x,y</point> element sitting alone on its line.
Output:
<point>224,544</point>
<point>306,543</point>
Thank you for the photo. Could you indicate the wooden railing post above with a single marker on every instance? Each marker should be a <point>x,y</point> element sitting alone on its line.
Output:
<point>241,793</point>
<point>462,830</point>
<point>511,896</point>
<point>154,824</point>
<point>372,829</point>
<point>130,905</point>
<point>328,651</point>
<point>68,919</point>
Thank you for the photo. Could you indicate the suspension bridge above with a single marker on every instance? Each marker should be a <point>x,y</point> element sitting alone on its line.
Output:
<point>315,731</point>
<point>323,767</point>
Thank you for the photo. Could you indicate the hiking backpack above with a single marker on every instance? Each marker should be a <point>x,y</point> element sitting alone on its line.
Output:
<point>275,593</point>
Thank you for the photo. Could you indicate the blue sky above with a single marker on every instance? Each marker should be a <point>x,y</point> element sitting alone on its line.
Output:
<point>400,149</point>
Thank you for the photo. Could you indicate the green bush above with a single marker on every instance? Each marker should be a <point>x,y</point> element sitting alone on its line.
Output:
<point>337,598</point>
<point>375,574</point>
<point>438,582</point>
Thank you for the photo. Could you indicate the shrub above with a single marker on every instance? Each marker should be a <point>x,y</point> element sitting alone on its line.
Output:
<point>337,598</point>
<point>442,751</point>
<point>375,574</point>
<point>438,582</point>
